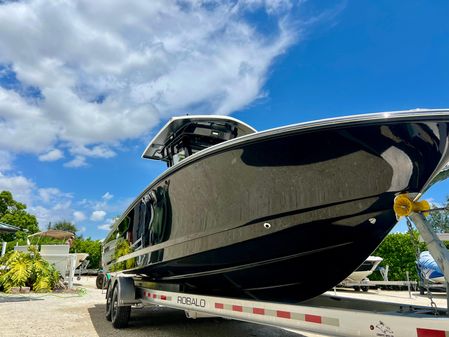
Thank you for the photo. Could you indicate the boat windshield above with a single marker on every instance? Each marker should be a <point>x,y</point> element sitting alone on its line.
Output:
<point>184,136</point>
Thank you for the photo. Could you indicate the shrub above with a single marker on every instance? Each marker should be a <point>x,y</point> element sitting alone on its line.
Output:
<point>27,269</point>
<point>91,247</point>
<point>398,252</point>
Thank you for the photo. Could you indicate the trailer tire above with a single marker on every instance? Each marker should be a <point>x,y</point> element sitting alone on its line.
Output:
<point>108,304</point>
<point>99,281</point>
<point>119,314</point>
<point>356,288</point>
<point>365,288</point>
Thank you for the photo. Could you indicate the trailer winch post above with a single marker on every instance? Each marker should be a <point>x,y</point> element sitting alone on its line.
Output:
<point>436,247</point>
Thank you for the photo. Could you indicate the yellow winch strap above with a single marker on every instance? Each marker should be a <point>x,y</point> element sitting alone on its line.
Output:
<point>403,206</point>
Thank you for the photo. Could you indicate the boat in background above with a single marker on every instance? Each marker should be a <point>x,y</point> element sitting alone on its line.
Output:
<point>254,214</point>
<point>429,270</point>
<point>62,248</point>
<point>362,272</point>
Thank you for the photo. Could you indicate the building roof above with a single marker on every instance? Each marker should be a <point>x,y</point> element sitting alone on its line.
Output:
<point>5,228</point>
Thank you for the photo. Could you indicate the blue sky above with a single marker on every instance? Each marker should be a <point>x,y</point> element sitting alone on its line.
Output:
<point>85,85</point>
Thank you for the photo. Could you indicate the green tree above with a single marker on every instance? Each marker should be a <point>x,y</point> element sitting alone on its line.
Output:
<point>14,213</point>
<point>64,226</point>
<point>398,251</point>
<point>8,204</point>
<point>92,247</point>
<point>440,220</point>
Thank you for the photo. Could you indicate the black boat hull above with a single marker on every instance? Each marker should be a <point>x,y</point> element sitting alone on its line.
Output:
<point>285,215</point>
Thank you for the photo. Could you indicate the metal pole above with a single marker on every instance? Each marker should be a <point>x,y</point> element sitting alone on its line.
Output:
<point>436,248</point>
<point>72,259</point>
<point>447,297</point>
<point>3,248</point>
<point>408,284</point>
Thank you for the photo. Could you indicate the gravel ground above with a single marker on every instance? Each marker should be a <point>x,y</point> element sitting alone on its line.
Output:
<point>82,314</point>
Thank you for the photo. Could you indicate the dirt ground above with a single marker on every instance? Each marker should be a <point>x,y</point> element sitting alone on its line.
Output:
<point>82,314</point>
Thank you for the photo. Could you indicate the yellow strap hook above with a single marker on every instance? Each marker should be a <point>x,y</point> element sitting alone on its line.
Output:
<point>403,206</point>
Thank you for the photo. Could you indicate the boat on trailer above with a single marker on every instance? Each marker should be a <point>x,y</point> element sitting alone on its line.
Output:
<point>255,215</point>
<point>364,270</point>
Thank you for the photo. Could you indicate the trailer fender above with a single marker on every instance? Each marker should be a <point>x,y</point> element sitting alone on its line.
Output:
<point>126,290</point>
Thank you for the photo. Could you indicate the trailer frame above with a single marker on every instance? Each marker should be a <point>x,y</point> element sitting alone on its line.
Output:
<point>328,315</point>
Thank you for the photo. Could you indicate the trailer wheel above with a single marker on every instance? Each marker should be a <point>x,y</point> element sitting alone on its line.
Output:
<point>119,314</point>
<point>365,289</point>
<point>99,281</point>
<point>108,304</point>
<point>356,288</point>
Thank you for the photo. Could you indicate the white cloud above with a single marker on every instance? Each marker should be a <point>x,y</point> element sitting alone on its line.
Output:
<point>44,215</point>
<point>21,187</point>
<point>47,194</point>
<point>51,204</point>
<point>107,196</point>
<point>47,204</point>
<point>63,205</point>
<point>51,155</point>
<point>48,213</point>
<point>98,151</point>
<point>82,229</point>
<point>98,215</point>
<point>107,224</point>
<point>106,71</point>
<point>105,204</point>
<point>78,161</point>
<point>25,127</point>
<point>6,159</point>
<point>105,227</point>
<point>79,216</point>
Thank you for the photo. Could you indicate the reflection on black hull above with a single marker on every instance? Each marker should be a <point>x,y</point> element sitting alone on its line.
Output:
<point>285,266</point>
<point>263,216</point>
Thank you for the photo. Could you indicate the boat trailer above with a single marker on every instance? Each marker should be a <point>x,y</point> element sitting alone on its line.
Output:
<point>328,315</point>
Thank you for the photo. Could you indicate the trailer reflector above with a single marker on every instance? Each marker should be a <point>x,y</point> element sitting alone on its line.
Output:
<point>237,308</point>
<point>258,311</point>
<point>431,333</point>
<point>313,319</point>
<point>283,314</point>
<point>161,297</point>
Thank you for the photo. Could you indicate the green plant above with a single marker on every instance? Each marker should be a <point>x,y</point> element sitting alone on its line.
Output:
<point>64,225</point>
<point>398,252</point>
<point>18,270</point>
<point>27,269</point>
<point>14,213</point>
<point>92,247</point>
